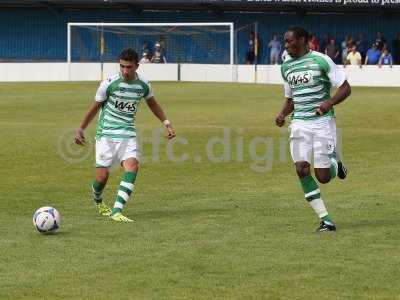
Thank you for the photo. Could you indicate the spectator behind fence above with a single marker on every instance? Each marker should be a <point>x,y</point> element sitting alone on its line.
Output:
<point>276,47</point>
<point>362,46</point>
<point>354,57</point>
<point>346,46</point>
<point>325,42</point>
<point>332,50</point>
<point>396,49</point>
<point>313,43</point>
<point>163,44</point>
<point>146,49</point>
<point>373,55</point>
<point>251,46</point>
<point>145,58</point>
<point>259,49</point>
<point>380,40</point>
<point>158,57</point>
<point>386,58</point>
<point>250,54</point>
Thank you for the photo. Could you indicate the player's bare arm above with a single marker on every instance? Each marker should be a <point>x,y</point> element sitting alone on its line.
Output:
<point>159,113</point>
<point>342,93</point>
<point>287,109</point>
<point>90,114</point>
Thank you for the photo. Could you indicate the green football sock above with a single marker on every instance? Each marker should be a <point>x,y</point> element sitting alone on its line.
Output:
<point>97,189</point>
<point>310,188</point>
<point>313,196</point>
<point>126,188</point>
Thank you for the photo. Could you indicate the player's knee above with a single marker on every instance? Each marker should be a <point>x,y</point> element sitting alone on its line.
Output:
<point>323,178</point>
<point>131,165</point>
<point>132,168</point>
<point>302,169</point>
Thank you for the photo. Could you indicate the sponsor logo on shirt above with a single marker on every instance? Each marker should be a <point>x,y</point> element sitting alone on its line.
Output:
<point>300,78</point>
<point>125,106</point>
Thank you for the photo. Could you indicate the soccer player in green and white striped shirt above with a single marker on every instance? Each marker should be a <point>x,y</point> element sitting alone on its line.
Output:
<point>117,99</point>
<point>308,77</point>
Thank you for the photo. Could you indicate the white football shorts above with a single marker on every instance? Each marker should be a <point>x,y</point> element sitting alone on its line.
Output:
<point>109,150</point>
<point>313,141</point>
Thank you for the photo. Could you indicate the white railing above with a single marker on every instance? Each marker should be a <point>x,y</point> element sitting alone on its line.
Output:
<point>14,72</point>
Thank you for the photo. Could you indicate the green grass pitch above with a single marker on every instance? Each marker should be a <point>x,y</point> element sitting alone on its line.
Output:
<point>204,228</point>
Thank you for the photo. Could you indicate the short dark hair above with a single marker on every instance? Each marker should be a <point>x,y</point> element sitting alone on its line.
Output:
<point>300,32</point>
<point>129,54</point>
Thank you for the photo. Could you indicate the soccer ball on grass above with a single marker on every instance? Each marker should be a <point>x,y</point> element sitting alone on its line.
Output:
<point>46,219</point>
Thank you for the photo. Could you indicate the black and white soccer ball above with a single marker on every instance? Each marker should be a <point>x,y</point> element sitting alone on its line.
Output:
<point>46,219</point>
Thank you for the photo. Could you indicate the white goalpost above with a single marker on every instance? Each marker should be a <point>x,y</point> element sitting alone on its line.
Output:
<point>203,43</point>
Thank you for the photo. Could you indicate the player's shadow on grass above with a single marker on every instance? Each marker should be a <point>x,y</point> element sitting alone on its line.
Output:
<point>184,213</point>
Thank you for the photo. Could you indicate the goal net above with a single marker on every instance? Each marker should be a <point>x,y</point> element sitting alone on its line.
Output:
<point>204,43</point>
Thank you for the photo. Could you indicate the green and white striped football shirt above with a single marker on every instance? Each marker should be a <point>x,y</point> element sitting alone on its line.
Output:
<point>120,103</point>
<point>308,81</point>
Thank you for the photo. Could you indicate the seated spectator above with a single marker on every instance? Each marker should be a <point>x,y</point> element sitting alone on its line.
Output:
<point>313,43</point>
<point>332,50</point>
<point>354,57</point>
<point>325,42</point>
<point>146,49</point>
<point>346,46</point>
<point>362,45</point>
<point>145,58</point>
<point>380,40</point>
<point>163,44</point>
<point>373,55</point>
<point>158,57</point>
<point>386,58</point>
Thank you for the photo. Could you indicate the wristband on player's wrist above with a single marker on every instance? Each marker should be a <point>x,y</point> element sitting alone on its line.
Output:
<point>166,123</point>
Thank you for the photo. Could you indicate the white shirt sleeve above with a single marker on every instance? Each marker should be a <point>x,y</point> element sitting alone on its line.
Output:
<point>150,94</point>
<point>101,94</point>
<point>288,90</point>
<point>336,73</point>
